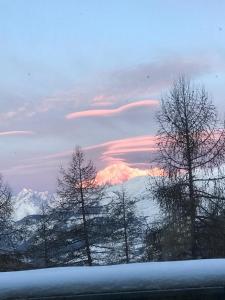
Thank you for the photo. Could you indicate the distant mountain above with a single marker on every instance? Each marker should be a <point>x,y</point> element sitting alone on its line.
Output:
<point>29,202</point>
<point>120,172</point>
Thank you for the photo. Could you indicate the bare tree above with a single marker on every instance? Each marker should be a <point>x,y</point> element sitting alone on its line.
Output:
<point>174,239</point>
<point>126,228</point>
<point>153,242</point>
<point>191,147</point>
<point>6,210</point>
<point>40,242</point>
<point>80,194</point>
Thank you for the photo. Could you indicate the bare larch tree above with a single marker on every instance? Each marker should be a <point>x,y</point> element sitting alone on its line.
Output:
<point>191,146</point>
<point>6,211</point>
<point>126,228</point>
<point>80,193</point>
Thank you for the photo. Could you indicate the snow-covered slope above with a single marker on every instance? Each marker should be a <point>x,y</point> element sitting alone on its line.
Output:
<point>138,187</point>
<point>29,202</point>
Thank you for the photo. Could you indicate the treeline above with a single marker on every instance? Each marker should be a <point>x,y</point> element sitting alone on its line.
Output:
<point>89,226</point>
<point>85,226</point>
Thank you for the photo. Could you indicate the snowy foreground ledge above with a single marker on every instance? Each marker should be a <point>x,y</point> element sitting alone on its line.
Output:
<point>156,276</point>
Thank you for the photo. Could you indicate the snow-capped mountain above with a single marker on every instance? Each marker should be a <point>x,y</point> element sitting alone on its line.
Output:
<point>29,202</point>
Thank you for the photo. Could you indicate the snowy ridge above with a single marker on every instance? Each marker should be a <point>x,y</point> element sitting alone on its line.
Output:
<point>29,202</point>
<point>141,277</point>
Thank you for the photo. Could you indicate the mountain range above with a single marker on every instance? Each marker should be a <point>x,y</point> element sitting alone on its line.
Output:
<point>28,202</point>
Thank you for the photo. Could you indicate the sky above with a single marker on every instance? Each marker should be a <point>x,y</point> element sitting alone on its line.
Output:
<point>92,73</point>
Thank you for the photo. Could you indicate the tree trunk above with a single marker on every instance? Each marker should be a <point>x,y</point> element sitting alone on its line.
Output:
<point>86,238</point>
<point>45,248</point>
<point>192,214</point>
<point>191,191</point>
<point>125,230</point>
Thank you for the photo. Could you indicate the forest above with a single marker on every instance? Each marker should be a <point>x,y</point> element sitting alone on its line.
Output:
<point>87,227</point>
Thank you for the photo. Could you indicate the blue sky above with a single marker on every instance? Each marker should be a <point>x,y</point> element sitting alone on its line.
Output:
<point>61,57</point>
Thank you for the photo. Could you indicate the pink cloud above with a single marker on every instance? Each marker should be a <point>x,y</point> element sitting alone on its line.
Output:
<point>16,132</point>
<point>110,151</point>
<point>102,100</point>
<point>110,112</point>
<point>112,159</point>
<point>131,144</point>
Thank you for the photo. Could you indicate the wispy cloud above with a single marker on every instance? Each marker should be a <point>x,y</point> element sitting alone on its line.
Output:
<point>110,94</point>
<point>127,144</point>
<point>19,113</point>
<point>146,143</point>
<point>102,103</point>
<point>140,81</point>
<point>102,100</point>
<point>116,150</point>
<point>111,112</point>
<point>157,75</point>
<point>16,132</point>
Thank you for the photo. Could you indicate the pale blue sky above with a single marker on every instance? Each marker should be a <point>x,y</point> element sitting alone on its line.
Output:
<point>58,57</point>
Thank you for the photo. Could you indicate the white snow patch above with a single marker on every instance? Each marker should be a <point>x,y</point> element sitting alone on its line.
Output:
<point>113,279</point>
<point>29,202</point>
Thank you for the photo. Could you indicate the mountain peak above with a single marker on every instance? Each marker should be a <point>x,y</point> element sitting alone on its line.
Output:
<point>122,172</point>
<point>29,202</point>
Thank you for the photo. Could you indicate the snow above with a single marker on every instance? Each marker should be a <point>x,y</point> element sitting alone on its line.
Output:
<point>29,202</point>
<point>113,279</point>
<point>137,188</point>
